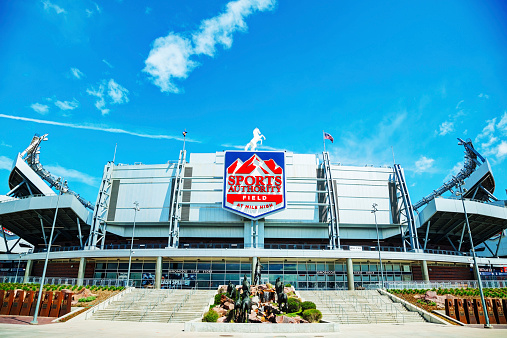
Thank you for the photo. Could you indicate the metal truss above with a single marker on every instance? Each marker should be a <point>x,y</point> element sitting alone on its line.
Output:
<point>472,160</point>
<point>98,226</point>
<point>331,200</point>
<point>406,209</point>
<point>31,157</point>
<point>175,209</point>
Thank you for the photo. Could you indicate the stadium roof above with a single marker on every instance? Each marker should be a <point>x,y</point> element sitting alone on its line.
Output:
<point>24,217</point>
<point>445,218</point>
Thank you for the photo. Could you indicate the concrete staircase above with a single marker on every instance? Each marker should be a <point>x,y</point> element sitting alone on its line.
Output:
<point>359,307</point>
<point>163,306</point>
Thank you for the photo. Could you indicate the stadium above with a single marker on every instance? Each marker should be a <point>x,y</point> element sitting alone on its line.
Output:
<point>209,218</point>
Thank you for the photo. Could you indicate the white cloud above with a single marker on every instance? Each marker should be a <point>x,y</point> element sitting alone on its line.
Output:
<point>71,174</point>
<point>3,144</point>
<point>76,73</point>
<point>147,10</point>
<point>502,125</point>
<point>50,6</point>
<point>454,171</point>
<point>90,12</point>
<point>170,56</point>
<point>67,105</point>
<point>40,108</point>
<point>446,127</point>
<point>107,63</point>
<point>117,93</point>
<point>96,128</point>
<point>423,164</point>
<point>459,104</point>
<point>486,96</point>
<point>371,146</point>
<point>501,150</point>
<point>492,140</point>
<point>5,163</point>
<point>101,102</point>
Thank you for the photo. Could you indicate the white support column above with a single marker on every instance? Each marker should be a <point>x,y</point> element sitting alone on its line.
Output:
<point>158,273</point>
<point>425,273</point>
<point>247,234</point>
<point>350,274</point>
<point>81,271</point>
<point>28,270</point>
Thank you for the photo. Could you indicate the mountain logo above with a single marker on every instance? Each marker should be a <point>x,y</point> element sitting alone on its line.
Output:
<point>254,183</point>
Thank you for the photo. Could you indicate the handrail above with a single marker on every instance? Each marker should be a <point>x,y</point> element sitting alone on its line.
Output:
<point>379,301</point>
<point>180,305</point>
<point>332,305</point>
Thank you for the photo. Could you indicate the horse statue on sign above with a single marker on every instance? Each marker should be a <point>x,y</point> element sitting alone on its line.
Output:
<point>257,136</point>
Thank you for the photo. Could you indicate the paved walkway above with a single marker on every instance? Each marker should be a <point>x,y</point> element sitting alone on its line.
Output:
<point>25,320</point>
<point>92,328</point>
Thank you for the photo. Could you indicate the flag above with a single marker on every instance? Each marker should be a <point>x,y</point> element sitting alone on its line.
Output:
<point>184,133</point>
<point>328,136</point>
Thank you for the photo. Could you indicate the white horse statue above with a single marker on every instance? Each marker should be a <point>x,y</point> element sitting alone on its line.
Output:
<point>257,136</point>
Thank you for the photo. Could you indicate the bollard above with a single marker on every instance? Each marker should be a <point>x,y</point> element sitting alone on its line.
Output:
<point>27,304</point>
<point>66,303</point>
<point>491,313</point>
<point>469,311</point>
<point>17,302</point>
<point>47,299</point>
<point>7,302</point>
<point>460,310</point>
<point>55,304</point>
<point>480,311</point>
<point>34,303</point>
<point>450,309</point>
<point>499,311</point>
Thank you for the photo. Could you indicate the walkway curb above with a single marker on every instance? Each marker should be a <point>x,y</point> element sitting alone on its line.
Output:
<point>261,328</point>
<point>425,314</point>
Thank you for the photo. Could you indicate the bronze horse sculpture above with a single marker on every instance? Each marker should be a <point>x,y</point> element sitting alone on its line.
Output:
<point>283,300</point>
<point>232,292</point>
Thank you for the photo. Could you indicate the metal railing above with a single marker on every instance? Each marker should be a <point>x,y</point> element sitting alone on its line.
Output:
<point>445,284</point>
<point>334,307</point>
<point>382,305</point>
<point>182,303</point>
<point>107,302</point>
<point>67,281</point>
<point>207,246</point>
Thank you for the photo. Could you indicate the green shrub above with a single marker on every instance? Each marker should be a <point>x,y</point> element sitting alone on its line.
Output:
<point>87,299</point>
<point>210,316</point>
<point>312,315</point>
<point>294,305</point>
<point>288,285</point>
<point>218,297</point>
<point>307,306</point>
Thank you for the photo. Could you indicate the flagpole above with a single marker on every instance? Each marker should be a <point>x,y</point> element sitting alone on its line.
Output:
<point>324,140</point>
<point>184,138</point>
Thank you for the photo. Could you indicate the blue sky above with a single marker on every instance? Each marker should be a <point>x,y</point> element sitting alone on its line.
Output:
<point>404,74</point>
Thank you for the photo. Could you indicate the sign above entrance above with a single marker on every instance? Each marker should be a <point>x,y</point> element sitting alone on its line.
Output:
<point>254,182</point>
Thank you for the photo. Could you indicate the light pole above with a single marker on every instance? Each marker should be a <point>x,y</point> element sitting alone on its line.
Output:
<point>48,249</point>
<point>136,209</point>
<point>374,212</point>
<point>476,267</point>
<point>17,270</point>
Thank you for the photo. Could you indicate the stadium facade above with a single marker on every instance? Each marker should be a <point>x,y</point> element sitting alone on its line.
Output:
<point>218,216</point>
